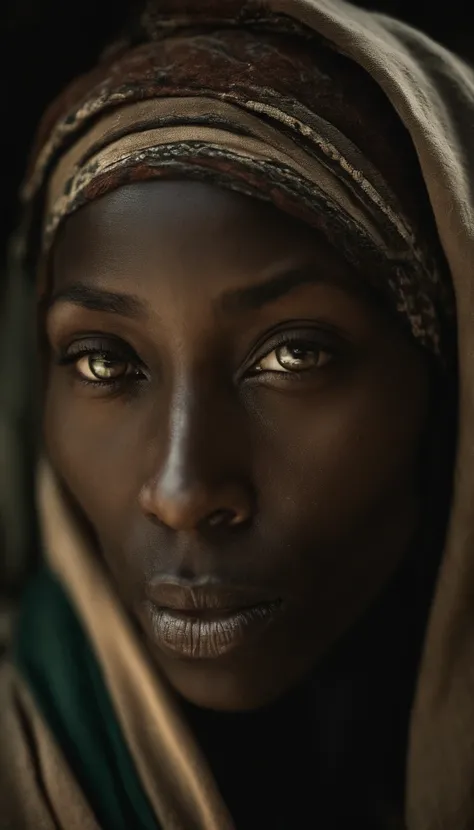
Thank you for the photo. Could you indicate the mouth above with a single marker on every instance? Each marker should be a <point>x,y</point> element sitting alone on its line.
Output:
<point>206,621</point>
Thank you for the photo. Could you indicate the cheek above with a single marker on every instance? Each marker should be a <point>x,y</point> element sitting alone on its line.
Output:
<point>341,488</point>
<point>95,446</point>
<point>344,465</point>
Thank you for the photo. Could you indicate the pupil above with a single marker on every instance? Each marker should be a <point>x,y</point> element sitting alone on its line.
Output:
<point>101,366</point>
<point>297,355</point>
<point>297,351</point>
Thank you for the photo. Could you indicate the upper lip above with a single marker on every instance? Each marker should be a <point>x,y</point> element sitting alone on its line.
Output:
<point>204,596</point>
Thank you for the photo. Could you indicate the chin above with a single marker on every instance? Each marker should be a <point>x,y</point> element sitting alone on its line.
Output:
<point>224,688</point>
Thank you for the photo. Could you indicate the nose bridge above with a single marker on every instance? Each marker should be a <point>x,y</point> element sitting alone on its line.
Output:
<point>197,476</point>
<point>184,460</point>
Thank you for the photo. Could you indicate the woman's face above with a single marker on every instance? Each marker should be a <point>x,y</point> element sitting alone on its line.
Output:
<point>240,425</point>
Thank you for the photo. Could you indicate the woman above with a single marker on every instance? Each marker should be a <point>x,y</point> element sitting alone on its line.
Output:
<point>251,227</point>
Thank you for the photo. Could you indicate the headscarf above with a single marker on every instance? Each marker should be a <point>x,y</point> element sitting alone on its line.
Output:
<point>260,105</point>
<point>219,98</point>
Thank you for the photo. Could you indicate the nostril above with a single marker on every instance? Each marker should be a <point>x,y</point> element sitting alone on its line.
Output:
<point>225,517</point>
<point>221,517</point>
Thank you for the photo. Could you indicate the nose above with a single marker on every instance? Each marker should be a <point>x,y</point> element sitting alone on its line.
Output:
<point>199,482</point>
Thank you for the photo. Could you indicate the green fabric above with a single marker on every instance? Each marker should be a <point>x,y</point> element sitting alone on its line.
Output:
<point>54,656</point>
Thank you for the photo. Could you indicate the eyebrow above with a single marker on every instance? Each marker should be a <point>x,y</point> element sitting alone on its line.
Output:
<point>252,297</point>
<point>255,297</point>
<point>97,299</point>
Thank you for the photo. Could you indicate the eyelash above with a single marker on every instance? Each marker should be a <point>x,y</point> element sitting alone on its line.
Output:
<point>317,339</point>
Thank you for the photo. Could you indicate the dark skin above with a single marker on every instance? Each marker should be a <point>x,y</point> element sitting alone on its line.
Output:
<point>299,408</point>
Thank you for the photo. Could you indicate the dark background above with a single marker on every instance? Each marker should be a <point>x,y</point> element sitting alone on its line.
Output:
<point>44,43</point>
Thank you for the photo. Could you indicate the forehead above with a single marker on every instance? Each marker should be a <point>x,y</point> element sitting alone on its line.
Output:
<point>172,227</point>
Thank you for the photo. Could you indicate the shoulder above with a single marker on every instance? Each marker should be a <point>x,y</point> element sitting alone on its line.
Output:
<point>37,790</point>
<point>21,802</point>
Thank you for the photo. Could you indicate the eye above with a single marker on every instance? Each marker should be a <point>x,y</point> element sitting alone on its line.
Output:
<point>296,356</point>
<point>103,362</point>
<point>102,367</point>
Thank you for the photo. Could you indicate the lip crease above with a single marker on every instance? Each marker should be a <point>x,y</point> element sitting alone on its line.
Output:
<point>206,619</point>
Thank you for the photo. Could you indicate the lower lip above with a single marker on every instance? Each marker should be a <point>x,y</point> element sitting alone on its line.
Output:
<point>204,638</point>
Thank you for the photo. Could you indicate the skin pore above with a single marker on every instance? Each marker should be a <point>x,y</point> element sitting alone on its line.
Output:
<point>210,356</point>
